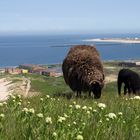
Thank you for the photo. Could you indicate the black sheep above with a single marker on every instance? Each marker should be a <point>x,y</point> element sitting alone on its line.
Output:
<point>83,70</point>
<point>131,81</point>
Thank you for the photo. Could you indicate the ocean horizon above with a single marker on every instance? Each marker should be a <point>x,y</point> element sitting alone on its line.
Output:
<point>52,49</point>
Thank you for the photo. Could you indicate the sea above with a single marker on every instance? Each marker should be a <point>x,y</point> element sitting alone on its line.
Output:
<point>52,49</point>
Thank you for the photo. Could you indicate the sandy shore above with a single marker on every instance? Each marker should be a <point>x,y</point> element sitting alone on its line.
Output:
<point>5,88</point>
<point>114,40</point>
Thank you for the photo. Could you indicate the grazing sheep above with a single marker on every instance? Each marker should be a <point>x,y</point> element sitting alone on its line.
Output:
<point>131,81</point>
<point>83,70</point>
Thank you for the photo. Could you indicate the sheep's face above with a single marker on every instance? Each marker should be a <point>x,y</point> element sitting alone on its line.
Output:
<point>96,89</point>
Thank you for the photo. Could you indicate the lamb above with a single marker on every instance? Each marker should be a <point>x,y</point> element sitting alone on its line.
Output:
<point>131,81</point>
<point>83,70</point>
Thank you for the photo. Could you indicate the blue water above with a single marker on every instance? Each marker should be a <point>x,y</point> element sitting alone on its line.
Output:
<point>48,49</point>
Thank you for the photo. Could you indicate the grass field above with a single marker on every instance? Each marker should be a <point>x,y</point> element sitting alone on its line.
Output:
<point>53,116</point>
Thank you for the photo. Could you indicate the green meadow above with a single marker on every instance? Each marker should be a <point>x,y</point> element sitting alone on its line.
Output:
<point>56,114</point>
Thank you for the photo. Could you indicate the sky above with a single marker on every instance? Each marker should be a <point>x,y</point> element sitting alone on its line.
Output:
<point>70,16</point>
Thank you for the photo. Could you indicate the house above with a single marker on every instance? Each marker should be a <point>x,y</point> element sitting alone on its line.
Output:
<point>13,70</point>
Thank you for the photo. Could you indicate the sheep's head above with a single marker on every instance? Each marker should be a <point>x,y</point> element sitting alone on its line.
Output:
<point>96,88</point>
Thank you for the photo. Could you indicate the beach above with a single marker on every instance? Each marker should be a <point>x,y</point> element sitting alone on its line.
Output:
<point>114,40</point>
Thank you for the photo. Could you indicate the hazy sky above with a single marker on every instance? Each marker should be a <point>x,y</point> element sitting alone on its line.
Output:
<point>70,16</point>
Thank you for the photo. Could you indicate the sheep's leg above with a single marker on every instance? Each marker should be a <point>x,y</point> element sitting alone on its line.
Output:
<point>77,94</point>
<point>80,94</point>
<point>125,89</point>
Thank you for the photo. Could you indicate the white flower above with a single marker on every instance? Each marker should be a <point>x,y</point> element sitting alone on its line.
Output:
<point>41,99</point>
<point>19,103</point>
<point>124,122</point>
<point>48,120</point>
<point>47,96</point>
<point>65,115</point>
<point>111,115</point>
<point>79,137</point>
<point>14,100</point>
<point>120,113</point>
<point>61,119</point>
<point>13,97</point>
<point>2,115</point>
<point>39,115</point>
<point>84,107</point>
<point>1,104</point>
<point>107,119</point>
<point>137,97</point>
<point>74,103</point>
<point>74,123</point>
<point>70,106</point>
<point>31,110</point>
<point>88,112</point>
<point>28,102</point>
<point>77,106</point>
<point>83,124</point>
<point>90,108</point>
<point>25,110</point>
<point>100,121</point>
<point>19,96</point>
<point>94,110</point>
<point>4,103</point>
<point>54,134</point>
<point>101,105</point>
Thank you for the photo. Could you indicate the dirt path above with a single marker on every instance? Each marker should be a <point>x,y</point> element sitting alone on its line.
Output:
<point>5,88</point>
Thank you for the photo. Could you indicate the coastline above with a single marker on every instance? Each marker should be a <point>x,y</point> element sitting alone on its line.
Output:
<point>130,41</point>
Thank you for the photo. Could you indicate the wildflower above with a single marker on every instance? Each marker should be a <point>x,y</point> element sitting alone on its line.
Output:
<point>137,97</point>
<point>54,134</point>
<point>61,119</point>
<point>47,96</point>
<point>90,108</point>
<point>1,104</point>
<point>111,115</point>
<point>79,137</point>
<point>48,120</point>
<point>13,97</point>
<point>19,103</point>
<point>94,110</point>
<point>28,102</point>
<point>25,110</point>
<point>107,119</point>
<point>100,121</point>
<point>70,106</point>
<point>83,124</point>
<point>19,96</point>
<point>68,125</point>
<point>77,106</point>
<point>14,100</point>
<point>74,103</point>
<point>2,115</point>
<point>65,115</point>
<point>74,123</point>
<point>31,110</point>
<point>39,115</point>
<point>84,107</point>
<point>120,113</point>
<point>41,99</point>
<point>124,122</point>
<point>101,105</point>
<point>4,103</point>
<point>88,112</point>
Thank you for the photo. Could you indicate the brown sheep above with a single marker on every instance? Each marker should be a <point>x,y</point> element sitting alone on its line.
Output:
<point>83,70</point>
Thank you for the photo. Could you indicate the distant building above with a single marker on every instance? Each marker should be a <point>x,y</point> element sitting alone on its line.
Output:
<point>13,70</point>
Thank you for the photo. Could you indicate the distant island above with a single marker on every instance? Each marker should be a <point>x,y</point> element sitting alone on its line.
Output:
<point>115,40</point>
